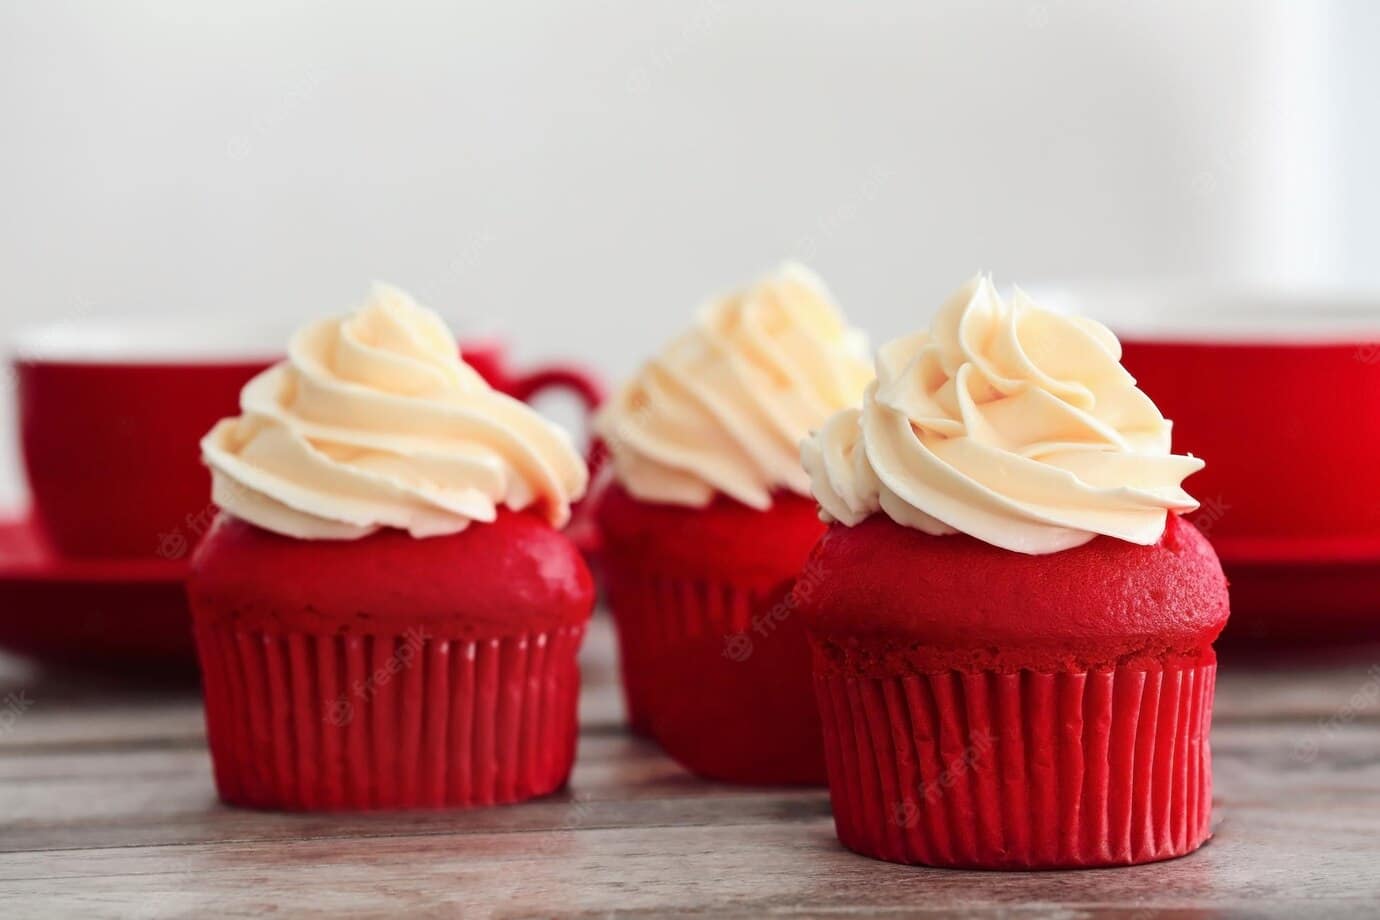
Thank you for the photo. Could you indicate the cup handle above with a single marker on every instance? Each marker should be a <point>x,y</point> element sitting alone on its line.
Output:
<point>567,377</point>
<point>583,384</point>
<point>590,391</point>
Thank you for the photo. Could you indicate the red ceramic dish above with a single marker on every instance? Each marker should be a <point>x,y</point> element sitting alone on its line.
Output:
<point>120,615</point>
<point>1280,394</point>
<point>1303,602</point>
<point>1291,433</point>
<point>110,415</point>
<point>111,453</point>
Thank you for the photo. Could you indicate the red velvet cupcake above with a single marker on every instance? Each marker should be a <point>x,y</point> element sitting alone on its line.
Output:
<point>712,654</point>
<point>385,612</point>
<point>709,520</point>
<point>1012,627</point>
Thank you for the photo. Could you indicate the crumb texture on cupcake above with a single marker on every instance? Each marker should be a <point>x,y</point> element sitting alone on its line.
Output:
<point>723,407</point>
<point>374,421</point>
<point>1008,422</point>
<point>513,576</point>
<point>887,598</point>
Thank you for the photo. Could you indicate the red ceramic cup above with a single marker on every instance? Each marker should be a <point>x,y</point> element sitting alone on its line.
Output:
<point>489,358</point>
<point>111,417</point>
<point>1280,394</point>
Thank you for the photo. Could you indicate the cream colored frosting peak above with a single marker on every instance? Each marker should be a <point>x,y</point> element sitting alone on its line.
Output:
<point>723,407</point>
<point>374,421</point>
<point>1007,422</point>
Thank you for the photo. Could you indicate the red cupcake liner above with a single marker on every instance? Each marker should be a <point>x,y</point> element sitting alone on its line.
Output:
<point>301,721</point>
<point>1021,770</point>
<point>654,614</point>
<point>719,675</point>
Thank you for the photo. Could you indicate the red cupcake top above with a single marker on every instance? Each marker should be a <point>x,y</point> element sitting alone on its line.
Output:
<point>944,602</point>
<point>728,536</point>
<point>512,576</point>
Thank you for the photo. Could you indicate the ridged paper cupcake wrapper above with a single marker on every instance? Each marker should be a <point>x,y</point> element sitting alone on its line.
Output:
<point>655,614</point>
<point>351,722</point>
<point>1023,770</point>
<point>719,675</point>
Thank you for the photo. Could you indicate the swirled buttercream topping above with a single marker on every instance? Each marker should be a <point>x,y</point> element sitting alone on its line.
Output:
<point>1008,422</point>
<point>375,421</point>
<point>722,408</point>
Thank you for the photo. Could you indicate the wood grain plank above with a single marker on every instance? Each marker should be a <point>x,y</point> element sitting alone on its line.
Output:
<point>151,797</point>
<point>791,867</point>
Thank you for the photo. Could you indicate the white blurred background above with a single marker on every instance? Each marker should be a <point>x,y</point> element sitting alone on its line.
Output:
<point>580,174</point>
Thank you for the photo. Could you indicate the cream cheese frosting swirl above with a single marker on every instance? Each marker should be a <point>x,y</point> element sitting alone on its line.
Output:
<point>1008,422</point>
<point>374,421</point>
<point>723,407</point>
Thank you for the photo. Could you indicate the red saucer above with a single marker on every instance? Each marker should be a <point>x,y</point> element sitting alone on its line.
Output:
<point>1301,590</point>
<point>1317,602</point>
<point>112,614</point>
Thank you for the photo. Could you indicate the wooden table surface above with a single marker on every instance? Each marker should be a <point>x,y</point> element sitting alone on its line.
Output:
<point>107,809</point>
